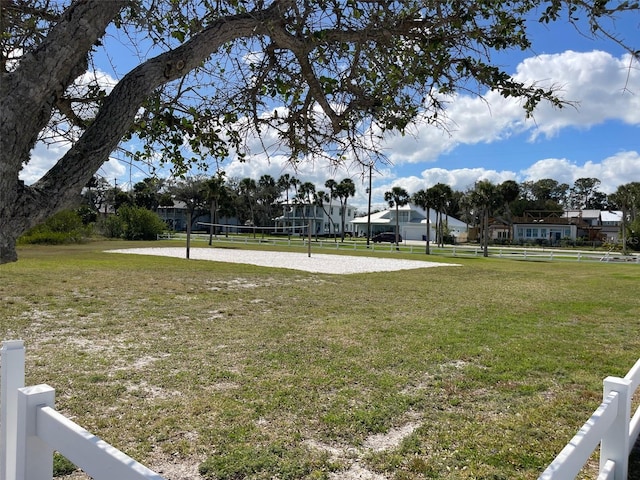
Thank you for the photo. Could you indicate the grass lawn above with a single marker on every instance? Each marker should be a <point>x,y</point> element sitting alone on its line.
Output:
<point>485,370</point>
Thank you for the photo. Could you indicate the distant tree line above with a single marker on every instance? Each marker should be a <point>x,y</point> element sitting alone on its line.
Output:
<point>486,201</point>
<point>119,213</point>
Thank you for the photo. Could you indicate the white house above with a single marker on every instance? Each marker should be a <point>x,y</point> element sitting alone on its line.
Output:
<point>412,221</point>
<point>325,220</point>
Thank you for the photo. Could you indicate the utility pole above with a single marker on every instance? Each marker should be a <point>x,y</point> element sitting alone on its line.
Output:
<point>369,206</point>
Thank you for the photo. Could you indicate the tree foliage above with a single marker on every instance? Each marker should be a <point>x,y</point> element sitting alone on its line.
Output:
<point>397,197</point>
<point>627,199</point>
<point>310,78</point>
<point>138,223</point>
<point>64,227</point>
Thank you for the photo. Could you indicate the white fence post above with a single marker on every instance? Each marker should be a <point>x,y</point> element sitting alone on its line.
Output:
<point>615,443</point>
<point>12,376</point>
<point>35,457</point>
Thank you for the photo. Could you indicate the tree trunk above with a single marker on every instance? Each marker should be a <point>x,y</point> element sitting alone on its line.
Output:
<point>397,227</point>
<point>189,220</point>
<point>428,237</point>
<point>7,247</point>
<point>485,232</point>
<point>28,96</point>
<point>342,211</point>
<point>212,210</point>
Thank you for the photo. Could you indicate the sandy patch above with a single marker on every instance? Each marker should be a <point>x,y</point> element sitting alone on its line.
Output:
<point>317,262</point>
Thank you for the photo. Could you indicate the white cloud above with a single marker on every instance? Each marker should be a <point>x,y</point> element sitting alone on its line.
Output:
<point>601,86</point>
<point>612,171</point>
<point>463,178</point>
<point>43,157</point>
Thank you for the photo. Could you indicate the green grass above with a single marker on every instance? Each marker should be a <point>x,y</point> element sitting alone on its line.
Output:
<point>242,369</point>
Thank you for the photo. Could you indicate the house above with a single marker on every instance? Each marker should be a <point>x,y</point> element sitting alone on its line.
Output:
<point>325,220</point>
<point>412,221</point>
<point>545,228</point>
<point>590,226</point>
<point>175,217</point>
<point>611,225</point>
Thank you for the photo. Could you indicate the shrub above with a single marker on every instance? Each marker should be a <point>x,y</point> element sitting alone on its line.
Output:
<point>140,223</point>
<point>112,226</point>
<point>87,214</point>
<point>63,227</point>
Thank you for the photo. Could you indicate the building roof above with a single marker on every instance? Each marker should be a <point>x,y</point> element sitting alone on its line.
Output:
<point>582,213</point>
<point>377,217</point>
<point>548,221</point>
<point>417,216</point>
<point>612,216</point>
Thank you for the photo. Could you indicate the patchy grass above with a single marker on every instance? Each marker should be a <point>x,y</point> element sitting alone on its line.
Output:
<point>251,372</point>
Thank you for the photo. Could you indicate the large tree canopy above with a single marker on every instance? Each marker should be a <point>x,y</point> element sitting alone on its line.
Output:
<point>318,78</point>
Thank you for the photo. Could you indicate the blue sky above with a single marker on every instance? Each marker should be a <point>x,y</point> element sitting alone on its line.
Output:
<point>489,137</point>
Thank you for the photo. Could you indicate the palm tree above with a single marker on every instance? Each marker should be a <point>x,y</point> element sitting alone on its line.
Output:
<point>441,196</point>
<point>305,197</point>
<point>484,196</point>
<point>345,189</point>
<point>331,184</point>
<point>285,182</point>
<point>509,191</point>
<point>248,189</point>
<point>215,190</point>
<point>320,199</point>
<point>422,199</point>
<point>267,195</point>
<point>397,197</point>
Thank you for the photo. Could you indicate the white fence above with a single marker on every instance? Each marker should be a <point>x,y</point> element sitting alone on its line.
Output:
<point>31,430</point>
<point>611,427</point>
<point>417,247</point>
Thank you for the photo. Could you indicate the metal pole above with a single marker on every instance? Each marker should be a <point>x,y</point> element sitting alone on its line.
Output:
<point>369,206</point>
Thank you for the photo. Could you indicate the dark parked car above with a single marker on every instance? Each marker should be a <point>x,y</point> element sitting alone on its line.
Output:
<point>386,237</point>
